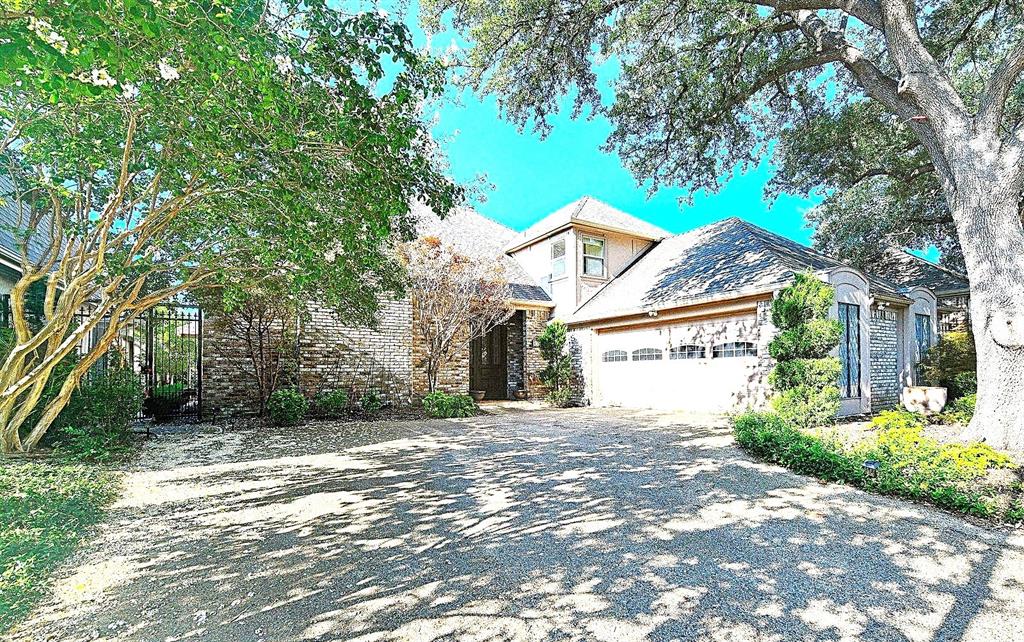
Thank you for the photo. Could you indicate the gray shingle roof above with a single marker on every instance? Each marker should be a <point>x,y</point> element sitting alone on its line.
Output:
<point>475,235</point>
<point>724,258</point>
<point>911,271</point>
<point>587,210</point>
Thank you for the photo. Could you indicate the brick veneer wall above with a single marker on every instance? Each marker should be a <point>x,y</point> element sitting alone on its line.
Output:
<point>885,384</point>
<point>535,321</point>
<point>228,386</point>
<point>762,392</point>
<point>516,352</point>
<point>333,355</point>
<point>453,377</point>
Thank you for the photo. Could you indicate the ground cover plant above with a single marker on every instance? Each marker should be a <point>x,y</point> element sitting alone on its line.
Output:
<point>446,406</point>
<point>902,461</point>
<point>287,407</point>
<point>46,509</point>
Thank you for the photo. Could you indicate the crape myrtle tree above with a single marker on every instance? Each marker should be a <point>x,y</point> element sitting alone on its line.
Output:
<point>152,148</point>
<point>925,95</point>
<point>456,299</point>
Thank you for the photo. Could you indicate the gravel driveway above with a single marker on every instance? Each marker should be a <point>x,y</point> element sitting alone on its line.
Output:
<point>584,524</point>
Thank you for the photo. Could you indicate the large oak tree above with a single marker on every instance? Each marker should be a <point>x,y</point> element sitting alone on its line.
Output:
<point>151,148</point>
<point>707,84</point>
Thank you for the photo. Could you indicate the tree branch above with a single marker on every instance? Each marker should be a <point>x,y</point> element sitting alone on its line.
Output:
<point>867,11</point>
<point>993,99</point>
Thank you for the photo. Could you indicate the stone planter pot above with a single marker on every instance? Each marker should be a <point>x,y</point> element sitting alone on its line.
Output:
<point>520,394</point>
<point>477,395</point>
<point>924,399</point>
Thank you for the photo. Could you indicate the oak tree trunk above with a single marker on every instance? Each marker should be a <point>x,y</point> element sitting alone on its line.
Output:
<point>989,227</point>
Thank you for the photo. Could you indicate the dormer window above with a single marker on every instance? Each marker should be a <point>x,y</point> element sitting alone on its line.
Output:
<point>593,256</point>
<point>557,258</point>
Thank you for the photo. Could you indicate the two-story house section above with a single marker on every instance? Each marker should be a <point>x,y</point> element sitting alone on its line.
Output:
<point>579,248</point>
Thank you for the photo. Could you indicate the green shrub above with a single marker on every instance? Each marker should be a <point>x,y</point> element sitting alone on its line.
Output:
<point>560,397</point>
<point>819,373</point>
<point>371,402</point>
<point>558,372</point>
<point>807,406</point>
<point>805,376</point>
<point>445,406</point>
<point>331,403</point>
<point>952,363</point>
<point>910,464</point>
<point>286,407</point>
<point>95,425</point>
<point>813,340</point>
<point>961,410</point>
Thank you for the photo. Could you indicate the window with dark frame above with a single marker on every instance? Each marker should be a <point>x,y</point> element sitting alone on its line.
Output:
<point>734,349</point>
<point>647,354</point>
<point>615,355</point>
<point>849,350</point>
<point>923,336</point>
<point>687,352</point>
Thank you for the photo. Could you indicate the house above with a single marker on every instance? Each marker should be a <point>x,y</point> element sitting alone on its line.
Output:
<point>655,319</point>
<point>951,288</point>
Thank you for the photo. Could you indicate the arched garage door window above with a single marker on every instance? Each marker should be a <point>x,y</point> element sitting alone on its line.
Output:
<point>647,354</point>
<point>614,355</point>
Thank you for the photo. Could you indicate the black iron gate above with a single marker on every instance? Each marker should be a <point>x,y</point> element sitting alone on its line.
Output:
<point>164,347</point>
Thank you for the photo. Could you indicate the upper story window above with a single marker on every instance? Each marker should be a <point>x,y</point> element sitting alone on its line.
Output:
<point>647,354</point>
<point>593,256</point>
<point>687,352</point>
<point>734,349</point>
<point>557,258</point>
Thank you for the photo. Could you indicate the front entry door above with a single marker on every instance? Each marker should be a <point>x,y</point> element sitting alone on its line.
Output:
<point>488,364</point>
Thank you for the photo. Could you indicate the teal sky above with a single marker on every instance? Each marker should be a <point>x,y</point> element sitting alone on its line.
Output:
<point>530,177</point>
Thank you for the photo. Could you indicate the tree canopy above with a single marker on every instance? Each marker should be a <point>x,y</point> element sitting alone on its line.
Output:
<point>155,147</point>
<point>706,85</point>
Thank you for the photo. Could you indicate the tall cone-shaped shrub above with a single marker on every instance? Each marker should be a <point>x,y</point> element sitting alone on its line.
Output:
<point>806,377</point>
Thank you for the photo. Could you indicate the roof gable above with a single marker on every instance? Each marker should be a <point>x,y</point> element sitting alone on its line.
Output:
<point>587,211</point>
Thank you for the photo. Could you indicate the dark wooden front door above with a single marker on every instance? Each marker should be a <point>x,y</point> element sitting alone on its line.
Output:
<point>488,364</point>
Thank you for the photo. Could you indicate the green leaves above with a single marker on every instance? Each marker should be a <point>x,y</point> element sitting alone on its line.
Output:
<point>268,122</point>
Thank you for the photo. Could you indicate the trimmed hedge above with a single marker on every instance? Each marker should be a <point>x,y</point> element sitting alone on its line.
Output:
<point>909,463</point>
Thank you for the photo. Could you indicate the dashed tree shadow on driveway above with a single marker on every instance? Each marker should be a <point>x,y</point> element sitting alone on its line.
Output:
<point>583,524</point>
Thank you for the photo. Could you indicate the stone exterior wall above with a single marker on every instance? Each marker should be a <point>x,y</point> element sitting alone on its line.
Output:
<point>516,352</point>
<point>333,355</point>
<point>534,323</point>
<point>884,364</point>
<point>327,355</point>
<point>766,331</point>
<point>581,353</point>
<point>454,376</point>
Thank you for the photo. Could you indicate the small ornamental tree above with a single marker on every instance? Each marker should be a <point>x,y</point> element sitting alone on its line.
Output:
<point>457,299</point>
<point>806,376</point>
<point>557,373</point>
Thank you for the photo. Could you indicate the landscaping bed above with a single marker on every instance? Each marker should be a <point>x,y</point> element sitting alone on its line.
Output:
<point>896,453</point>
<point>46,509</point>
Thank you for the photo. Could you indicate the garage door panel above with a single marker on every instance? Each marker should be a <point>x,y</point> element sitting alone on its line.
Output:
<point>703,384</point>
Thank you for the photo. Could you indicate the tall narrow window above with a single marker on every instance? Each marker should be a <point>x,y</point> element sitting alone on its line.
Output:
<point>923,334</point>
<point>849,350</point>
<point>923,324</point>
<point>557,258</point>
<point>593,256</point>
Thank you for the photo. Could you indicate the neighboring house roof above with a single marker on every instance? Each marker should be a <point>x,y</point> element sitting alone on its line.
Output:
<point>476,235</point>
<point>10,253</point>
<point>728,258</point>
<point>587,211</point>
<point>911,271</point>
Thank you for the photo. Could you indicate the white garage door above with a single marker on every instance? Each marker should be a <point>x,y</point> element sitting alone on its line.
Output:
<point>710,366</point>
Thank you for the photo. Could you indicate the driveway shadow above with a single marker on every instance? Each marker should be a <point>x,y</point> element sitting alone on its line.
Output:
<point>584,524</point>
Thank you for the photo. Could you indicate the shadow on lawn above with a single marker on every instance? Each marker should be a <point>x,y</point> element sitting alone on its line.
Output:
<point>583,524</point>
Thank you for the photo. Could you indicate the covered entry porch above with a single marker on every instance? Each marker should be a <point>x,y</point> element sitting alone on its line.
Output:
<point>507,359</point>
